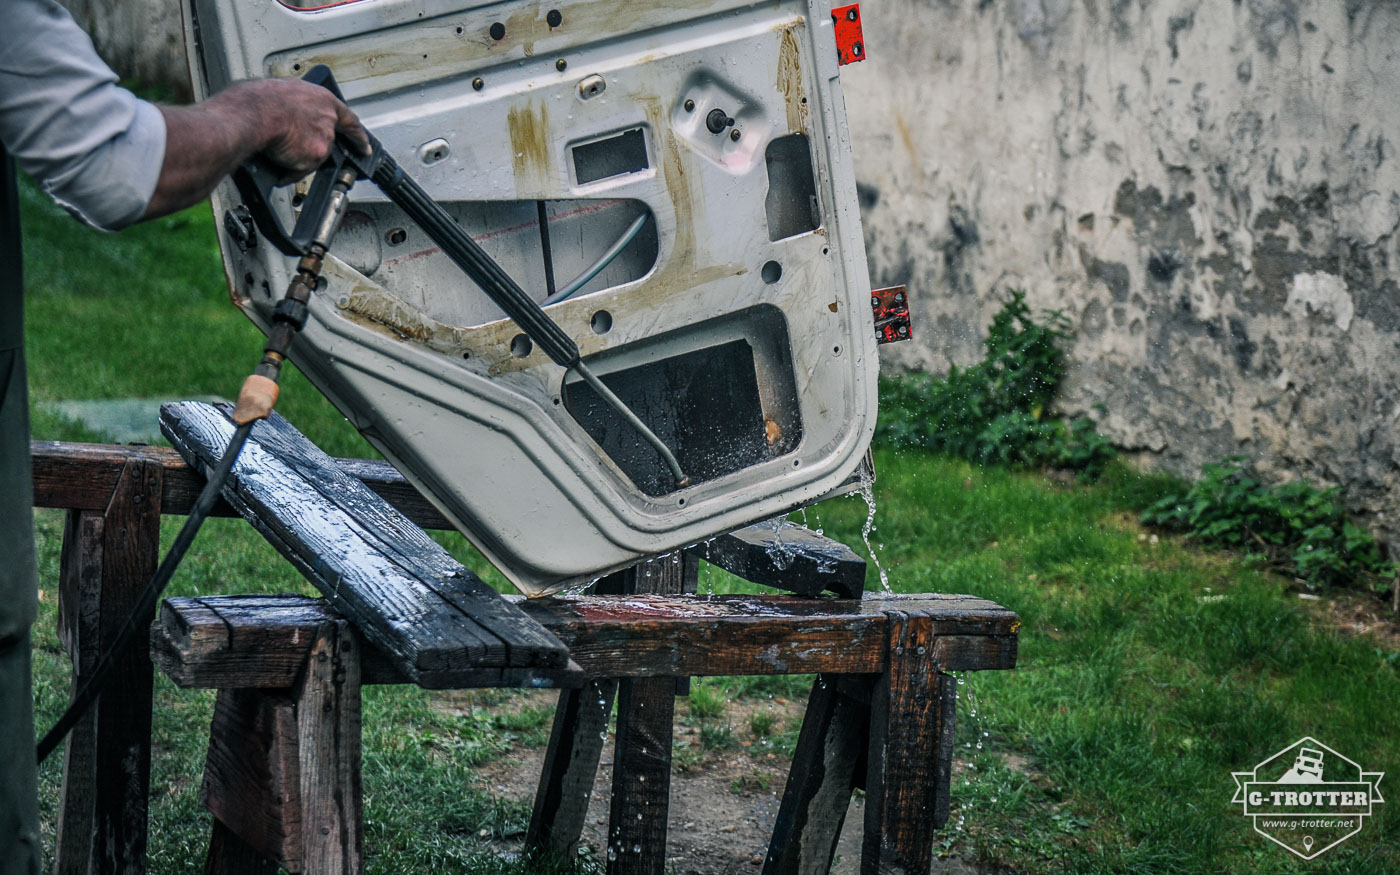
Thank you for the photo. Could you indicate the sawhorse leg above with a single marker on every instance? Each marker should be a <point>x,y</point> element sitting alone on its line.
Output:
<point>108,558</point>
<point>636,839</point>
<point>282,777</point>
<point>898,745</point>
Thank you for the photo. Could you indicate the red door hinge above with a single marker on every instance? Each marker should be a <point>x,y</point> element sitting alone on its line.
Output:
<point>850,42</point>
<point>891,308</point>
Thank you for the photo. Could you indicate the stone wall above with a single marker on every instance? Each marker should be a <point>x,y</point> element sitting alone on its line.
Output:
<point>1207,187</point>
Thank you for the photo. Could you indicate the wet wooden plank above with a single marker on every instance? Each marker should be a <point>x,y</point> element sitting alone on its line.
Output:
<point>788,556</point>
<point>82,477</point>
<point>257,640</point>
<point>641,791</point>
<point>570,767</point>
<point>911,714</point>
<point>829,752</point>
<point>108,557</point>
<point>435,618</point>
<point>250,773</point>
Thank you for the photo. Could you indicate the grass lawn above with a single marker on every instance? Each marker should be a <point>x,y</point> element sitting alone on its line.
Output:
<point>1149,670</point>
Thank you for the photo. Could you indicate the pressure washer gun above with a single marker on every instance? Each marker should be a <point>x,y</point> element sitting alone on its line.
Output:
<point>321,212</point>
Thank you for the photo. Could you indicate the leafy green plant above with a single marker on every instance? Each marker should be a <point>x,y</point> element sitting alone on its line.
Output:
<point>994,412</point>
<point>1293,526</point>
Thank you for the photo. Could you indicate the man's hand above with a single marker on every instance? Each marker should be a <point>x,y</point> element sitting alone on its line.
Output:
<point>307,118</point>
<point>293,123</point>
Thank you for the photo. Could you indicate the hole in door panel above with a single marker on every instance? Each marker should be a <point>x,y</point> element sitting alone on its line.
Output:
<point>719,394</point>
<point>581,232</point>
<point>791,204</point>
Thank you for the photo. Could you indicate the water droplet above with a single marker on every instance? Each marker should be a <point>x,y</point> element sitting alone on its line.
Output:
<point>867,492</point>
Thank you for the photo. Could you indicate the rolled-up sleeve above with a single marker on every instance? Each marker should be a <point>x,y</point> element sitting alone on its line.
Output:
<point>92,145</point>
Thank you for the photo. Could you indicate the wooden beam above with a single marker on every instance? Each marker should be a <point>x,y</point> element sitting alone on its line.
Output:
<point>82,477</point>
<point>108,557</point>
<point>438,622</point>
<point>829,754</point>
<point>570,767</point>
<point>258,641</point>
<point>909,758</point>
<point>282,777</point>
<point>641,790</point>
<point>787,556</point>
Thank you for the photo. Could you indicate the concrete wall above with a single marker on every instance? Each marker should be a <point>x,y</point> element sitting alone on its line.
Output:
<point>143,40</point>
<point>1207,187</point>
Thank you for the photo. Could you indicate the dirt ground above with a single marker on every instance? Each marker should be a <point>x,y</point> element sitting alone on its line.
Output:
<point>723,802</point>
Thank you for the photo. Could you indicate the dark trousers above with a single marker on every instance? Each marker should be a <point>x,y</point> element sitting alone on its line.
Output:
<point>19,806</point>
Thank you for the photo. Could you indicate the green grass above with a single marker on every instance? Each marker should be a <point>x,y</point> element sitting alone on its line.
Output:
<point>1133,700</point>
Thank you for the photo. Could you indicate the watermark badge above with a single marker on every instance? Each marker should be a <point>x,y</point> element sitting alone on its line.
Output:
<point>1307,797</point>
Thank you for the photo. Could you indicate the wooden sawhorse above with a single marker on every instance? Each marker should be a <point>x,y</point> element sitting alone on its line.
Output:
<point>283,777</point>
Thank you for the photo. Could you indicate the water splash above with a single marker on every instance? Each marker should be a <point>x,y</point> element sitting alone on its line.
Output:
<point>867,492</point>
<point>779,552</point>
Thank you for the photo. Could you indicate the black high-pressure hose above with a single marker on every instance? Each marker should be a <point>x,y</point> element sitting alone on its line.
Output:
<point>255,402</point>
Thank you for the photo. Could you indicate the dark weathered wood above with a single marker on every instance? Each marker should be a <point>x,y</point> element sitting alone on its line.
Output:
<point>251,782</point>
<point>283,769</point>
<point>907,720</point>
<point>230,855</point>
<point>259,641</point>
<point>79,620</point>
<point>641,776</point>
<point>402,590</point>
<point>570,767</point>
<point>788,556</point>
<point>82,477</point>
<point>328,754</point>
<point>108,557</point>
<point>830,749</point>
<point>641,790</point>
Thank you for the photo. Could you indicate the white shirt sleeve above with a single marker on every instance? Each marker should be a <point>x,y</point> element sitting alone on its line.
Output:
<point>92,145</point>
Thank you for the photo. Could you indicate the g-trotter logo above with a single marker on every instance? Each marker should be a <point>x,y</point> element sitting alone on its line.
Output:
<point>1307,797</point>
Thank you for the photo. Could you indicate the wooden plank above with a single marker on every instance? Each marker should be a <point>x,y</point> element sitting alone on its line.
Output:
<point>82,477</point>
<point>258,641</point>
<point>787,556</point>
<point>829,752</point>
<point>818,793</point>
<point>570,767</point>
<point>404,592</point>
<point>907,725</point>
<point>230,855</point>
<point>328,754</point>
<point>641,790</point>
<point>79,629</point>
<point>251,782</point>
<point>121,745</point>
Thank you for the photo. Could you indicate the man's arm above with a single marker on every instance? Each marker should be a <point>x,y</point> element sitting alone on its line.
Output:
<point>291,122</point>
<point>114,159</point>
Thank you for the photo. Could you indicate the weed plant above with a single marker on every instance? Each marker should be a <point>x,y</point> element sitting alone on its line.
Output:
<point>995,412</point>
<point>1293,527</point>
